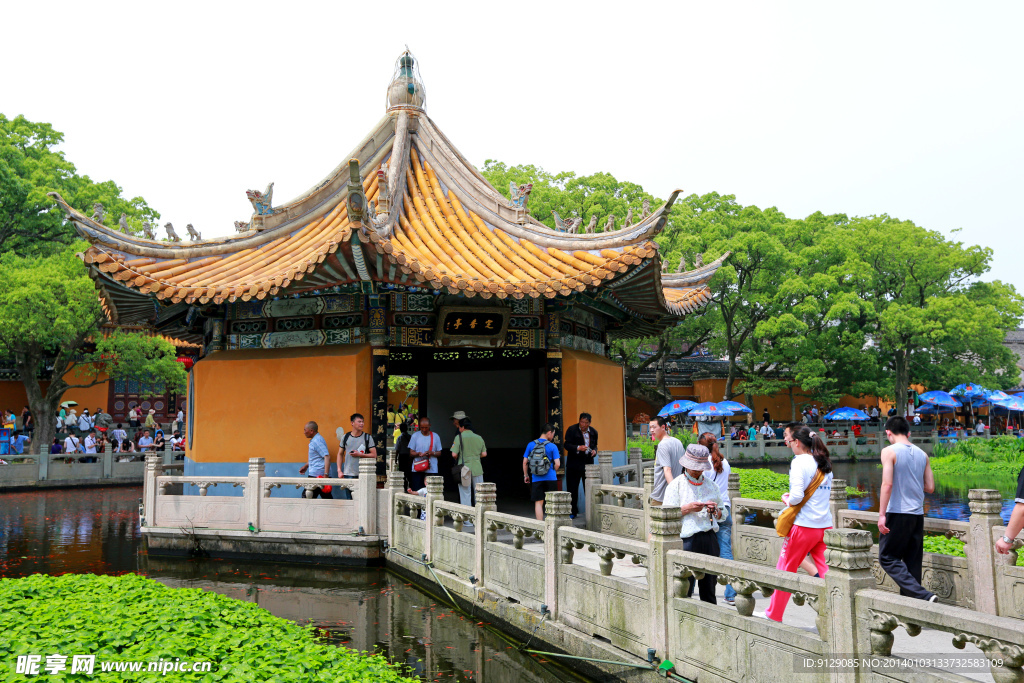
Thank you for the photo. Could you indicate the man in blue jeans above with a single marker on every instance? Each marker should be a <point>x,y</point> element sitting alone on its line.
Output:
<point>540,468</point>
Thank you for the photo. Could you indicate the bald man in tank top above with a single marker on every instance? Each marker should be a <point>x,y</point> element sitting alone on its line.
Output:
<point>906,477</point>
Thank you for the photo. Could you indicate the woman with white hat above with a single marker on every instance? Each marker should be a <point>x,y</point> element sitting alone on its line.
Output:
<point>703,506</point>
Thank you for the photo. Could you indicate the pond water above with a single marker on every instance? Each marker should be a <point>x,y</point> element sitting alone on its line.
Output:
<point>949,501</point>
<point>96,530</point>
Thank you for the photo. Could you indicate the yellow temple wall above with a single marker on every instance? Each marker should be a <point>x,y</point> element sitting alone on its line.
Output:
<point>593,384</point>
<point>255,403</point>
<point>13,396</point>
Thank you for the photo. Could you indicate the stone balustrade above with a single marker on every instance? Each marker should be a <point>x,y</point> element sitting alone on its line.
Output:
<point>630,593</point>
<point>57,469</point>
<point>257,510</point>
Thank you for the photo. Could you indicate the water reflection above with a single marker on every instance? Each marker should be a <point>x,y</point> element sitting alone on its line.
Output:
<point>97,531</point>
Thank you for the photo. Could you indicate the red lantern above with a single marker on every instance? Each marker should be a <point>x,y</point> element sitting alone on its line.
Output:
<point>187,361</point>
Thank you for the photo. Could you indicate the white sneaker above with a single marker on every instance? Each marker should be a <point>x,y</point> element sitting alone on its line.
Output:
<point>934,598</point>
<point>467,524</point>
<point>760,615</point>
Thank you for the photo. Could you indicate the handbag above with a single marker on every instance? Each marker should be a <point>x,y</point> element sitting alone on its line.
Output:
<point>422,463</point>
<point>787,517</point>
<point>458,468</point>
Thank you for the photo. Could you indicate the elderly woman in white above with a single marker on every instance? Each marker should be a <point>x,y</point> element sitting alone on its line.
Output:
<point>703,506</point>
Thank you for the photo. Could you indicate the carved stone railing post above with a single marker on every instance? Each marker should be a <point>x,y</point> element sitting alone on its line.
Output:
<point>44,462</point>
<point>647,481</point>
<point>396,480</point>
<point>107,458</point>
<point>848,554</point>
<point>982,559</point>
<point>253,492</point>
<point>154,468</point>
<point>557,508</point>
<point>435,492</point>
<point>636,459</point>
<point>664,525</point>
<point>604,461</point>
<point>486,501</point>
<point>368,495</point>
<point>837,501</point>
<point>592,478</point>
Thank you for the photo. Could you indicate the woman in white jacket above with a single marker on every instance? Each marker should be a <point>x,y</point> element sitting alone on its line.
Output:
<point>807,534</point>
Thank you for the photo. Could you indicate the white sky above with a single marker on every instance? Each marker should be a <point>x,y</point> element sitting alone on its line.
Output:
<point>910,109</point>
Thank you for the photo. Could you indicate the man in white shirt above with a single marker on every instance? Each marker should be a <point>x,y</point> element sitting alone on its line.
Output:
<point>71,444</point>
<point>767,431</point>
<point>917,419</point>
<point>84,422</point>
<point>90,442</point>
<point>181,420</point>
<point>667,465</point>
<point>146,443</point>
<point>424,444</point>
<point>354,445</point>
<point>117,438</point>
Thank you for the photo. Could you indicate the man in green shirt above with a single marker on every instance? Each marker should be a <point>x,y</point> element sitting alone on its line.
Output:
<point>467,450</point>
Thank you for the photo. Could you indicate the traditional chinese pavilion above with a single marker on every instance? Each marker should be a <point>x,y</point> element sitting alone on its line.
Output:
<point>403,260</point>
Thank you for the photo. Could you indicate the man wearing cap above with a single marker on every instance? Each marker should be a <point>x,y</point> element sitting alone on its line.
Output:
<point>702,505</point>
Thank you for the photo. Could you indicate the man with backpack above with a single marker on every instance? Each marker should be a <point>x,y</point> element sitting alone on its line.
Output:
<point>540,468</point>
<point>354,445</point>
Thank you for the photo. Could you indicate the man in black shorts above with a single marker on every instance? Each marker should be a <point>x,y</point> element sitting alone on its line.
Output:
<point>540,468</point>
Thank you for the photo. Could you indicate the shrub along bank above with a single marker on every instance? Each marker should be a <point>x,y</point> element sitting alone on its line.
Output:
<point>131,618</point>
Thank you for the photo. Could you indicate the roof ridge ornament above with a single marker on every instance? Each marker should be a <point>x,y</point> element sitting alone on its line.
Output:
<point>567,225</point>
<point>406,87</point>
<point>261,201</point>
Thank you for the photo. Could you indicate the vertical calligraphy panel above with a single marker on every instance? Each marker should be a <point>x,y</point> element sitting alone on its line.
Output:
<point>554,392</point>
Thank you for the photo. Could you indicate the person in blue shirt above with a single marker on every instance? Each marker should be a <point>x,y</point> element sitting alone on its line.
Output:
<point>319,464</point>
<point>548,481</point>
<point>18,443</point>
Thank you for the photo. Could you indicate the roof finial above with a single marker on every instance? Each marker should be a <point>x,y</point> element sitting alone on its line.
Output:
<point>406,87</point>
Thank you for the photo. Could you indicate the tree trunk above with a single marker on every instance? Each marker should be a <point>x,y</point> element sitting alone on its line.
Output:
<point>731,378</point>
<point>43,405</point>
<point>901,380</point>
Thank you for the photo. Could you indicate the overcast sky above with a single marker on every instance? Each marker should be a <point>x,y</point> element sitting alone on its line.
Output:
<point>909,109</point>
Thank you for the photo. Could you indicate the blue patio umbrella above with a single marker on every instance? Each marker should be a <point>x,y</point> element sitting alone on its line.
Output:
<point>676,408</point>
<point>734,406</point>
<point>1015,403</point>
<point>708,410</point>
<point>995,396</point>
<point>969,391</point>
<point>941,399</point>
<point>847,414</point>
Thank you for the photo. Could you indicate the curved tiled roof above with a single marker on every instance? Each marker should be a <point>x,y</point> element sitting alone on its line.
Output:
<point>444,227</point>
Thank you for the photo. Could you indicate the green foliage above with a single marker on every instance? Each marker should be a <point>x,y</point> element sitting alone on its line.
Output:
<point>49,311</point>
<point>402,383</point>
<point>131,618</point>
<point>649,448</point>
<point>31,166</point>
<point>953,546</point>
<point>1003,455</point>
<point>570,195</point>
<point>763,484</point>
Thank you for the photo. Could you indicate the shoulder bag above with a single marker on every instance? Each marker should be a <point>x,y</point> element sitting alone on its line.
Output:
<point>788,516</point>
<point>422,463</point>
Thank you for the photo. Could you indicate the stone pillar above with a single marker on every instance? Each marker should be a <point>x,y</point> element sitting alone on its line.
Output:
<point>604,461</point>
<point>557,508</point>
<point>848,554</point>
<point>636,459</point>
<point>254,491</point>
<point>734,493</point>
<point>486,501</point>
<point>107,458</point>
<point>837,501</point>
<point>154,468</point>
<point>664,525</point>
<point>648,483</point>
<point>435,492</point>
<point>367,495</point>
<point>592,476</point>
<point>982,558</point>
<point>396,482</point>
<point>44,461</point>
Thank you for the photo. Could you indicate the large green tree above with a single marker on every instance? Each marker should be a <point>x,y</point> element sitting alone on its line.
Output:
<point>932,320</point>
<point>50,321</point>
<point>30,166</point>
<point>597,196</point>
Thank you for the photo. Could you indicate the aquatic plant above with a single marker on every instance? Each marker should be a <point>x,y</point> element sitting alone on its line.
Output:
<point>130,618</point>
<point>953,546</point>
<point>763,484</point>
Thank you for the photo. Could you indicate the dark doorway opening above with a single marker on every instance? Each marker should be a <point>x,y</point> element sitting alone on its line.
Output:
<point>502,392</point>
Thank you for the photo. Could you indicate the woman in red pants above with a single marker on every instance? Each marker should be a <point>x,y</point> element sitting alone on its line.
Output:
<point>807,534</point>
